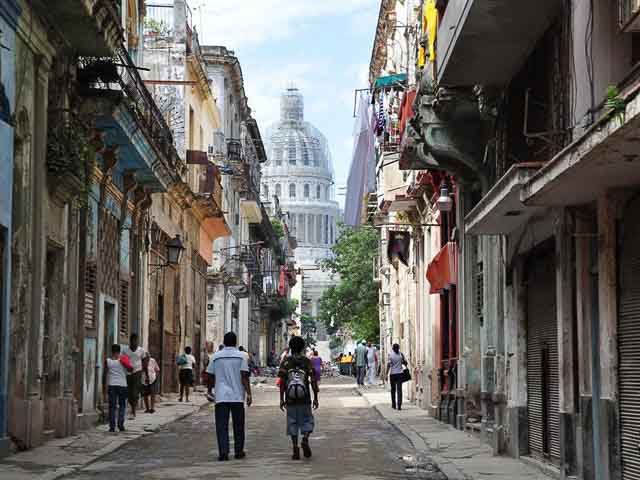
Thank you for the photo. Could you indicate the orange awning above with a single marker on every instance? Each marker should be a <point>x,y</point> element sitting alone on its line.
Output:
<point>443,269</point>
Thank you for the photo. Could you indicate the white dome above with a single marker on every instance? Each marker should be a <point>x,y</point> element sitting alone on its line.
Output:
<point>299,171</point>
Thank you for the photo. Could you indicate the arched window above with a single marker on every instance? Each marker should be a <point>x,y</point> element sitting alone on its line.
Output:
<point>306,190</point>
<point>278,190</point>
<point>306,155</point>
<point>292,190</point>
<point>265,190</point>
<point>277,155</point>
<point>318,192</point>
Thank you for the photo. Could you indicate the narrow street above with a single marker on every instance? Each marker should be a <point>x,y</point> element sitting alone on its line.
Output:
<point>352,442</point>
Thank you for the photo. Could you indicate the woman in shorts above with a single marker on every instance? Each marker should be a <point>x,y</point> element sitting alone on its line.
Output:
<point>150,371</point>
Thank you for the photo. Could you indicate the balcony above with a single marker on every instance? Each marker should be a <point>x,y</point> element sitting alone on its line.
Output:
<point>92,27</point>
<point>127,113</point>
<point>481,42</point>
<point>629,15</point>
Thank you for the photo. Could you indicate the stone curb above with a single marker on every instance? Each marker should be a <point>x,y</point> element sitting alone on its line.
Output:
<point>445,466</point>
<point>61,472</point>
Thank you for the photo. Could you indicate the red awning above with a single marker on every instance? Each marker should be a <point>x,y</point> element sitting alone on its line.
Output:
<point>443,269</point>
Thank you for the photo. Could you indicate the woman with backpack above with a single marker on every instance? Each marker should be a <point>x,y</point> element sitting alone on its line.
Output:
<point>397,375</point>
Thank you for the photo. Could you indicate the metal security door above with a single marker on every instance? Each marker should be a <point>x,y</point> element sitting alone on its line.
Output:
<point>629,343</point>
<point>542,358</point>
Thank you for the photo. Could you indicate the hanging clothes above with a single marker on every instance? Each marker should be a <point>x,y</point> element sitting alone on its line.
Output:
<point>430,20</point>
<point>381,113</point>
<point>406,111</point>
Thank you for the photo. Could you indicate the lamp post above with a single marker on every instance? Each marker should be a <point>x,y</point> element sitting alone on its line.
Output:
<point>175,249</point>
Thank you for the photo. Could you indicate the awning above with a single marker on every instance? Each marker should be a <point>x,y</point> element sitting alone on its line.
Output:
<point>390,80</point>
<point>251,211</point>
<point>443,269</point>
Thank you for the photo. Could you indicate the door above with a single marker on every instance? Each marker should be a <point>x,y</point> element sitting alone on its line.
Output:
<point>629,343</point>
<point>542,358</point>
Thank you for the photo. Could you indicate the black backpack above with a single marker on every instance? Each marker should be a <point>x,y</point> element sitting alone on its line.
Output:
<point>297,388</point>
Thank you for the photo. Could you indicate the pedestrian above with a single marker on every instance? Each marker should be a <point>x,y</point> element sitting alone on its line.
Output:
<point>396,374</point>
<point>372,364</point>
<point>316,363</point>
<point>150,371</point>
<point>186,362</point>
<point>229,376</point>
<point>361,363</point>
<point>115,386</point>
<point>134,379</point>
<point>298,379</point>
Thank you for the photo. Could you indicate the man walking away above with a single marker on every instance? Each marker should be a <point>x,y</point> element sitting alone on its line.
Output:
<point>372,363</point>
<point>186,363</point>
<point>150,370</point>
<point>229,376</point>
<point>134,379</point>
<point>361,362</point>
<point>297,375</point>
<point>115,383</point>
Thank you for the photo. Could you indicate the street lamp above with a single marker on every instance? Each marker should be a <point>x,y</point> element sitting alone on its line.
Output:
<point>444,202</point>
<point>175,248</point>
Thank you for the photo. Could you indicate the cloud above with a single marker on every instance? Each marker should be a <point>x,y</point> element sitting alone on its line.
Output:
<point>241,23</point>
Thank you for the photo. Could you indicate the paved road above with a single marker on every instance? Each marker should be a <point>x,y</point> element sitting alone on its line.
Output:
<point>351,442</point>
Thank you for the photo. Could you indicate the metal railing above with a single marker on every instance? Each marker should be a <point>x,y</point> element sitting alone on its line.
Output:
<point>102,74</point>
<point>629,11</point>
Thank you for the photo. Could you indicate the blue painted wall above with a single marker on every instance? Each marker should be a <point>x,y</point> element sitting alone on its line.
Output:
<point>9,12</point>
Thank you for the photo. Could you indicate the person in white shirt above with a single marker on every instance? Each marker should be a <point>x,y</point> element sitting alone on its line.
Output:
<point>134,378</point>
<point>228,374</point>
<point>115,383</point>
<point>186,364</point>
<point>150,370</point>
<point>372,364</point>
<point>396,366</point>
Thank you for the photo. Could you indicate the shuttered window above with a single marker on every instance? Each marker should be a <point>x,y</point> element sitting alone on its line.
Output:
<point>629,344</point>
<point>542,359</point>
<point>124,309</point>
<point>89,295</point>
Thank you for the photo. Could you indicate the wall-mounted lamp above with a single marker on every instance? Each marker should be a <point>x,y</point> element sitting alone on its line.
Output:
<point>175,249</point>
<point>444,202</point>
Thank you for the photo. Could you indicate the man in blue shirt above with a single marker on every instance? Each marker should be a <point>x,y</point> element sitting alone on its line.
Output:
<point>229,376</point>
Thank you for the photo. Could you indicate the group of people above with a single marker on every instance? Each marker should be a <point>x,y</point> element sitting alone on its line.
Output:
<point>127,375</point>
<point>364,364</point>
<point>228,378</point>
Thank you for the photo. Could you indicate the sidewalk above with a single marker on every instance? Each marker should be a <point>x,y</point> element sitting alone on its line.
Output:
<point>63,456</point>
<point>457,454</point>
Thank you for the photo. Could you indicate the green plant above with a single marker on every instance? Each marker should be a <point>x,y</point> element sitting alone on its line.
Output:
<point>615,103</point>
<point>277,227</point>
<point>156,27</point>
<point>287,307</point>
<point>353,300</point>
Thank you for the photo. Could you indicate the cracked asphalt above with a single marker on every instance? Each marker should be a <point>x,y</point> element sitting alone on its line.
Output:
<point>351,442</point>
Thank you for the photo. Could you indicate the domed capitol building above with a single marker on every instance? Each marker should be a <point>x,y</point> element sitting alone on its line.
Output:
<point>299,171</point>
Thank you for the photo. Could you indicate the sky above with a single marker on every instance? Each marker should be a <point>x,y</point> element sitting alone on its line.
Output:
<point>322,46</point>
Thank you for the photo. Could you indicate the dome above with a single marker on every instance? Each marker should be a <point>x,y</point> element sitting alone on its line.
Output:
<point>299,171</point>
<point>292,142</point>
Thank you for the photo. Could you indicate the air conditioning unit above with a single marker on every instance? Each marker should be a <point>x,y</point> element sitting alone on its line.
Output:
<point>629,15</point>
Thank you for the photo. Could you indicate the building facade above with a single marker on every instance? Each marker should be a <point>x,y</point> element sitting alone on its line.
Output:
<point>299,173</point>
<point>515,184</point>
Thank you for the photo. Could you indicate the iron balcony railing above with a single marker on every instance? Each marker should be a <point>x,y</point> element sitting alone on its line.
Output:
<point>121,74</point>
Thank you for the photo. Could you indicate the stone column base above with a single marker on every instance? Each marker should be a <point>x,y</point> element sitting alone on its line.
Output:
<point>26,422</point>
<point>64,414</point>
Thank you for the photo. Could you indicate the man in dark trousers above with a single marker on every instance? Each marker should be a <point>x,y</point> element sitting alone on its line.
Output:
<point>229,376</point>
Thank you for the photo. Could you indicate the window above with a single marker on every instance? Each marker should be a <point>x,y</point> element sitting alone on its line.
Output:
<point>306,190</point>
<point>292,190</point>
<point>292,151</point>
<point>277,155</point>
<point>278,190</point>
<point>318,192</point>
<point>318,229</point>
<point>306,157</point>
<point>479,274</point>
<point>325,236</point>
<point>265,190</point>
<point>326,192</point>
